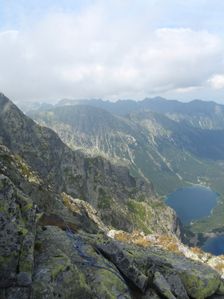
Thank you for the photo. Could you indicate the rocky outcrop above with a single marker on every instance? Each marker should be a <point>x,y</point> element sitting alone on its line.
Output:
<point>125,264</point>
<point>171,275</point>
<point>163,286</point>
<point>66,266</point>
<point>17,234</point>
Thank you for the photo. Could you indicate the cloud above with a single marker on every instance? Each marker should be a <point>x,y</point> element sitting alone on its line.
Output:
<point>217,81</point>
<point>93,54</point>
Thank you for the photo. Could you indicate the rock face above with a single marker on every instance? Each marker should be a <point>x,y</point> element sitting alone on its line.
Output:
<point>55,246</point>
<point>16,236</point>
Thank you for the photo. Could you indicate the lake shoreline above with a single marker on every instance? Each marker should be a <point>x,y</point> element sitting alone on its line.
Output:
<point>193,203</point>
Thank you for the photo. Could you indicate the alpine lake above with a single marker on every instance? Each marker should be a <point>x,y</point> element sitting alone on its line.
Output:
<point>193,203</point>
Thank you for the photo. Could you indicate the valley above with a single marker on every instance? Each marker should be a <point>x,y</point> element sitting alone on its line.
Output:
<point>169,143</point>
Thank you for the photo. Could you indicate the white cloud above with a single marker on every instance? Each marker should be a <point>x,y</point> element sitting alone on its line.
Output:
<point>217,81</point>
<point>91,55</point>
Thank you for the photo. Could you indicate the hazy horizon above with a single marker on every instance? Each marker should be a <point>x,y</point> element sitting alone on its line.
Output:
<point>56,101</point>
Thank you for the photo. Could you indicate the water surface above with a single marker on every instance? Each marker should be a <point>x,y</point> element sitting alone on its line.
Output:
<point>192,203</point>
<point>214,245</point>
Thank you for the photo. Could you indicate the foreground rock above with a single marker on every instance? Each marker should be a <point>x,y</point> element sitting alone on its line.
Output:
<point>17,235</point>
<point>62,271</point>
<point>172,275</point>
<point>68,263</point>
<point>52,255</point>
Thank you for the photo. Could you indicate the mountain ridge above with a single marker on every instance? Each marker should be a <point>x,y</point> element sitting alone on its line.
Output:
<point>156,104</point>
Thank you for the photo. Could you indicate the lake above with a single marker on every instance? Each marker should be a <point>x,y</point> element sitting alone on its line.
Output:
<point>214,245</point>
<point>192,203</point>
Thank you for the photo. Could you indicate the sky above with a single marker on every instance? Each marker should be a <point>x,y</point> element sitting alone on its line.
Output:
<point>112,49</point>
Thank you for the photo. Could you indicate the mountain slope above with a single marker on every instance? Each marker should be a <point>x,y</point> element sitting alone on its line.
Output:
<point>98,132</point>
<point>90,127</point>
<point>166,152</point>
<point>110,188</point>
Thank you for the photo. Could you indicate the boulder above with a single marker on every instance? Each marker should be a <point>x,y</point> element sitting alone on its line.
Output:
<point>67,266</point>
<point>113,251</point>
<point>162,286</point>
<point>198,279</point>
<point>176,285</point>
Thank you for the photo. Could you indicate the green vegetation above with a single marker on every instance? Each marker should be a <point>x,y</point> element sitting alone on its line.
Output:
<point>213,222</point>
<point>140,212</point>
<point>104,200</point>
<point>136,208</point>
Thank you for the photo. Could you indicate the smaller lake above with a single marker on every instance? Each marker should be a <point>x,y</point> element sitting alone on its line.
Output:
<point>214,245</point>
<point>192,203</point>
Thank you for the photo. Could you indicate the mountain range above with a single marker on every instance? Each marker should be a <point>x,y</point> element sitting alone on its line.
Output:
<point>169,143</point>
<point>197,112</point>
